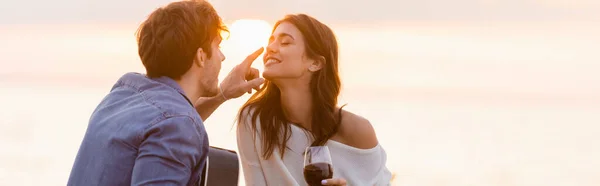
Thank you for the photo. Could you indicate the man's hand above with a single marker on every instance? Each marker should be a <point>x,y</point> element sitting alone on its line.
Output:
<point>335,182</point>
<point>240,80</point>
<point>243,78</point>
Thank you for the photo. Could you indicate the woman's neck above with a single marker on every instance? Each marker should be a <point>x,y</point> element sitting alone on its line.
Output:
<point>296,102</point>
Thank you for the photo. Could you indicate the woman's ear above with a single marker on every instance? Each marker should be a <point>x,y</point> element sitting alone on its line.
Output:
<point>317,64</point>
<point>200,56</point>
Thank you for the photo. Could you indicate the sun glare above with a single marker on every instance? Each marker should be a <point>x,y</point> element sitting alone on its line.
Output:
<point>245,36</point>
<point>249,34</point>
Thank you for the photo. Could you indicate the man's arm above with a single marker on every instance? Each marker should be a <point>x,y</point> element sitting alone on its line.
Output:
<point>205,106</point>
<point>171,150</point>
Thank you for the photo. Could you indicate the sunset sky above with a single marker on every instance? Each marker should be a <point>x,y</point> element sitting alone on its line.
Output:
<point>460,92</point>
<point>133,11</point>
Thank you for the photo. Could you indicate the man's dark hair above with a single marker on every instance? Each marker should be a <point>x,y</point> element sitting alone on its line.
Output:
<point>169,38</point>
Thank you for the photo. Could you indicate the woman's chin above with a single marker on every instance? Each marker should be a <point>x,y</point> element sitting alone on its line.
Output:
<point>268,75</point>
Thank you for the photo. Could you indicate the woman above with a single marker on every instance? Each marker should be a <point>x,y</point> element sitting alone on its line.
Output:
<point>297,108</point>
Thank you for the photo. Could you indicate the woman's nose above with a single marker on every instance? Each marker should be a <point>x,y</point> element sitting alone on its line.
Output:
<point>272,47</point>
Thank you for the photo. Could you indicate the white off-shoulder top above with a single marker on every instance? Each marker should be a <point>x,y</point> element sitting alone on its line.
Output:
<point>360,167</point>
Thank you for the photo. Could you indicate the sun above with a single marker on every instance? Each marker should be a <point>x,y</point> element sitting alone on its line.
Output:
<point>249,34</point>
<point>244,37</point>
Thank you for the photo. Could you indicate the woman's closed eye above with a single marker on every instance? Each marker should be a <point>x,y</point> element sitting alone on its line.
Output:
<point>284,43</point>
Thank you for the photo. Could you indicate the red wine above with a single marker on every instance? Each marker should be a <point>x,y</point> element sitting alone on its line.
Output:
<point>317,172</point>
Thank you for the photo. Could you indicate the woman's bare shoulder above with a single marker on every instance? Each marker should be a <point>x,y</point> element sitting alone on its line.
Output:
<point>357,131</point>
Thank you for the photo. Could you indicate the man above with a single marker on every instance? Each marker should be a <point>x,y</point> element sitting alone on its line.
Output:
<point>146,131</point>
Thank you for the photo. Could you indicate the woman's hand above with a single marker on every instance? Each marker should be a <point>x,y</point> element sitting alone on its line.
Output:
<point>334,182</point>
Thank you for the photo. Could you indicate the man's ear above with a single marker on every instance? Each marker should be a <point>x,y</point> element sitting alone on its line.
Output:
<point>200,57</point>
<point>317,64</point>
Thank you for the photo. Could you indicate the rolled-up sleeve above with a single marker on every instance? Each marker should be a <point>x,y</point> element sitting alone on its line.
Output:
<point>170,153</point>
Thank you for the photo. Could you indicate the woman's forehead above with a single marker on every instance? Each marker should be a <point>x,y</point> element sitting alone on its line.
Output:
<point>287,29</point>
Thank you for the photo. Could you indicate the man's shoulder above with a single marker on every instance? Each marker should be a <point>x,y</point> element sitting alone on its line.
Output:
<point>137,104</point>
<point>168,101</point>
<point>157,96</point>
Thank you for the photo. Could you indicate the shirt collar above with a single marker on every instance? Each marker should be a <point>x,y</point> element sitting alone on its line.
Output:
<point>173,84</point>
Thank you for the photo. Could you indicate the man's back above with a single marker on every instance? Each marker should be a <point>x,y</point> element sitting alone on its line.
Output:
<point>144,131</point>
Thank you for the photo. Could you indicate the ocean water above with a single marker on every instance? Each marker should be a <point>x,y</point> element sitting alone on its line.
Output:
<point>453,104</point>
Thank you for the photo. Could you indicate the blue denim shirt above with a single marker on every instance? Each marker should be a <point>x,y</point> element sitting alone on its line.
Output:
<point>144,132</point>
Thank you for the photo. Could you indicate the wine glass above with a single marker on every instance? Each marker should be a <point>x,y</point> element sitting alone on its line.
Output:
<point>317,165</point>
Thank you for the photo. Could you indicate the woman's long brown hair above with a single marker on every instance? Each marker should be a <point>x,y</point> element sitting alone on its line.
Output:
<point>325,84</point>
